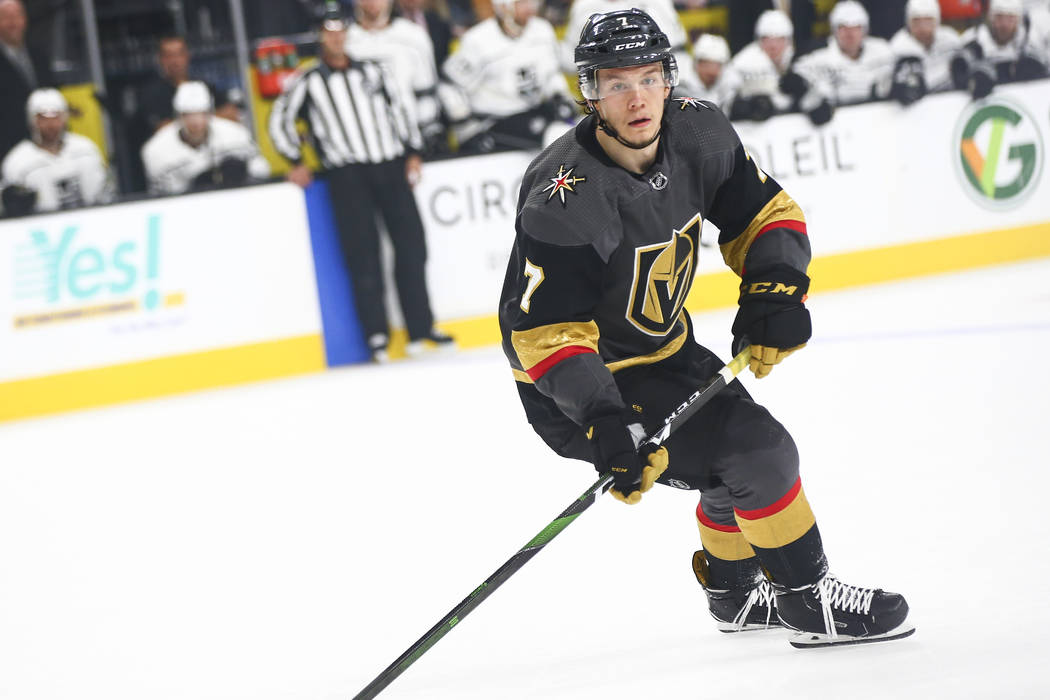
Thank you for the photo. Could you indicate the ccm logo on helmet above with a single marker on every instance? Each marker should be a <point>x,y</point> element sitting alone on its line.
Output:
<point>632,45</point>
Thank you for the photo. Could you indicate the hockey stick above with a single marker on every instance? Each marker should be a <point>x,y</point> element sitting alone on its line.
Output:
<point>677,417</point>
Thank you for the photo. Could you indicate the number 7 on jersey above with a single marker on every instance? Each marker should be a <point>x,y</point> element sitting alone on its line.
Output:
<point>534,275</point>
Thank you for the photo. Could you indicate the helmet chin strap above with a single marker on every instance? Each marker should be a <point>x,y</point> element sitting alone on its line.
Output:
<point>608,128</point>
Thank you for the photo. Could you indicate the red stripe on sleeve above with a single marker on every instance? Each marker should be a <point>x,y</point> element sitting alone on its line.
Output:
<point>708,522</point>
<point>541,368</point>
<point>799,226</point>
<point>782,503</point>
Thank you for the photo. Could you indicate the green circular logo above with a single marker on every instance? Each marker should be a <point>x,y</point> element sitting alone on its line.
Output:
<point>1000,153</point>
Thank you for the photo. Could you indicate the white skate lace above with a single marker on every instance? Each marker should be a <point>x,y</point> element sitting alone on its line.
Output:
<point>762,594</point>
<point>836,594</point>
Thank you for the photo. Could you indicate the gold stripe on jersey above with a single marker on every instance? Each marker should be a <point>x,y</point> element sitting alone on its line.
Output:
<point>663,353</point>
<point>536,345</point>
<point>781,528</point>
<point>780,208</point>
<point>728,546</point>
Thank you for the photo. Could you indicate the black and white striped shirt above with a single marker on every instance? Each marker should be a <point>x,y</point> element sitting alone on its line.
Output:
<point>356,115</point>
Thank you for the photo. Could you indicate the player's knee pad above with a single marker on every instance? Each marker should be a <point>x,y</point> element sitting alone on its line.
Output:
<point>760,461</point>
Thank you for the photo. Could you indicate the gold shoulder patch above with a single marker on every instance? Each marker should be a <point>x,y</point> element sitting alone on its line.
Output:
<point>562,182</point>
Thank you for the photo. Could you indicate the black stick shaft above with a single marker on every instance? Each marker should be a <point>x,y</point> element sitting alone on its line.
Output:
<point>585,501</point>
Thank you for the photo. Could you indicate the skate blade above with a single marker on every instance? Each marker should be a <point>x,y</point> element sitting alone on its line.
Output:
<point>810,640</point>
<point>730,628</point>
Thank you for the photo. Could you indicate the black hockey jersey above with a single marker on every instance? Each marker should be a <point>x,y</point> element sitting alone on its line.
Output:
<point>603,258</point>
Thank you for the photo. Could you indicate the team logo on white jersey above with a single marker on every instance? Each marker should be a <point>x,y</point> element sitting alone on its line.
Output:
<point>563,182</point>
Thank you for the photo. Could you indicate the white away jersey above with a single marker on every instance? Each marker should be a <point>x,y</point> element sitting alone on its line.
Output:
<point>1031,42</point>
<point>752,72</point>
<point>75,176</point>
<point>405,49</point>
<point>172,164</point>
<point>847,81</point>
<point>500,75</point>
<point>936,60</point>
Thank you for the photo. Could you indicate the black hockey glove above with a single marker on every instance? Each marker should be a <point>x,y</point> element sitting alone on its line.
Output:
<point>909,81</point>
<point>772,317</point>
<point>756,108</point>
<point>232,171</point>
<point>557,109</point>
<point>1029,67</point>
<point>793,85</point>
<point>982,80</point>
<point>18,200</point>
<point>614,444</point>
<point>822,113</point>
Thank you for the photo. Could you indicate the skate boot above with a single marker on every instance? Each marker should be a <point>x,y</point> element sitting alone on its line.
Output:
<point>830,612</point>
<point>752,606</point>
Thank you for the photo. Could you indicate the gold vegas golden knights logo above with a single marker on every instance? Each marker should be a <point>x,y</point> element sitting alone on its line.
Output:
<point>663,274</point>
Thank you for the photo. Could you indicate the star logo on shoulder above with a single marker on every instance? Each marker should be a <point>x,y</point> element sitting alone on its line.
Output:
<point>562,182</point>
<point>690,102</point>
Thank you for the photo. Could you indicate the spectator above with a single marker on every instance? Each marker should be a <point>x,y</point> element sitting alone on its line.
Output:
<point>662,12</point>
<point>53,169</point>
<point>923,49</point>
<point>1006,47</point>
<point>369,146</point>
<point>708,79</point>
<point>406,51</point>
<point>21,72</point>
<point>155,97</point>
<point>198,151</point>
<point>853,67</point>
<point>436,26</point>
<point>507,68</point>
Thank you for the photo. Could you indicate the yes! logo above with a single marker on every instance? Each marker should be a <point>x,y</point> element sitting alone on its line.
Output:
<point>1000,154</point>
<point>65,275</point>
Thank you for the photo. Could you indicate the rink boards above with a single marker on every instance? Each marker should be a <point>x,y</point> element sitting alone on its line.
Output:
<point>156,297</point>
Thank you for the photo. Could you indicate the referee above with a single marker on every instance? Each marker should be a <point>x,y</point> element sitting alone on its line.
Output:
<point>369,145</point>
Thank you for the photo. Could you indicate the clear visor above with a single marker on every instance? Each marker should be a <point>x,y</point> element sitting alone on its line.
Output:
<point>620,84</point>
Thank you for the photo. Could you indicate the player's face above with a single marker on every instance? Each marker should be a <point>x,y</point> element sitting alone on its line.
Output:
<point>850,39</point>
<point>774,47</point>
<point>923,29</point>
<point>708,72</point>
<point>50,126</point>
<point>195,126</point>
<point>523,11</point>
<point>632,100</point>
<point>1003,26</point>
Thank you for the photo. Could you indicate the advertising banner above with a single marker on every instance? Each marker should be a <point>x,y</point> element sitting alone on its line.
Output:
<point>106,286</point>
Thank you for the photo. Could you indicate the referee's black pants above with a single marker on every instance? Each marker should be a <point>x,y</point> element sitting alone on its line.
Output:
<point>359,192</point>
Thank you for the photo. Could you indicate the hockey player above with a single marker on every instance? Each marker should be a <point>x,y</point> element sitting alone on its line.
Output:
<point>199,150</point>
<point>1005,48</point>
<point>602,349</point>
<point>708,78</point>
<point>762,79</point>
<point>507,67</point>
<point>406,51</point>
<point>923,49</point>
<point>853,67</point>
<point>53,169</point>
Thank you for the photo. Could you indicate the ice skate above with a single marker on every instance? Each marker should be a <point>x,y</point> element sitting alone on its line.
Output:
<point>833,613</point>
<point>741,609</point>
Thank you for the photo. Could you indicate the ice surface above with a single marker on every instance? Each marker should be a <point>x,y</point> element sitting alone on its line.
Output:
<point>290,539</point>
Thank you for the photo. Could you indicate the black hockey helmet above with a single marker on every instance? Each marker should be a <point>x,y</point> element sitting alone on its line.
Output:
<point>617,39</point>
